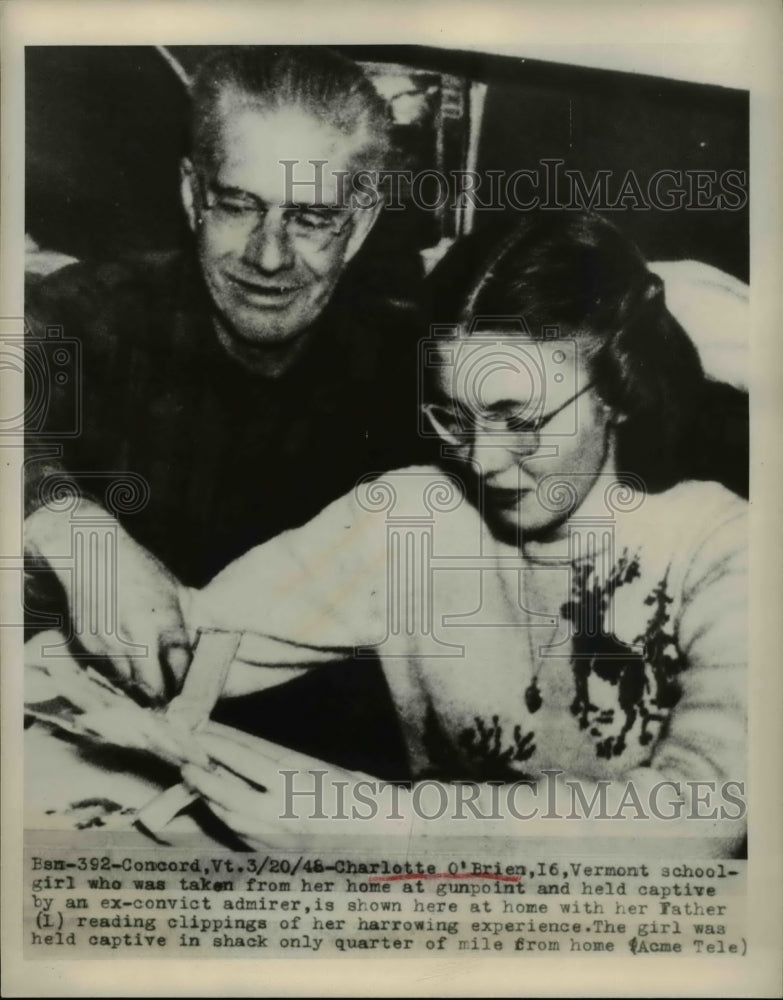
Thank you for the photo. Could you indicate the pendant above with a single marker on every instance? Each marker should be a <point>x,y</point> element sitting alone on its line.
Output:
<point>533,696</point>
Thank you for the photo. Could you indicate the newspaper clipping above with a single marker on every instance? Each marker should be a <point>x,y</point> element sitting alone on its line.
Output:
<point>380,490</point>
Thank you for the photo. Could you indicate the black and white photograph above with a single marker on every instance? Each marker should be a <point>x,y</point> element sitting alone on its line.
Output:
<point>379,588</point>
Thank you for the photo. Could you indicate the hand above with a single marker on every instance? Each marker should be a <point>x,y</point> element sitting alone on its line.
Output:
<point>142,609</point>
<point>249,791</point>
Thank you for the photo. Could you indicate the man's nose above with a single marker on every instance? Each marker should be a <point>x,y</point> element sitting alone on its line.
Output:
<point>268,246</point>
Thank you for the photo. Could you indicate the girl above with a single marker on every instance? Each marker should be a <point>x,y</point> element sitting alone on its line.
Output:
<point>554,598</point>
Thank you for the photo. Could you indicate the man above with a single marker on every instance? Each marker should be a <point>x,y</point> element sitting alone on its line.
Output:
<point>238,390</point>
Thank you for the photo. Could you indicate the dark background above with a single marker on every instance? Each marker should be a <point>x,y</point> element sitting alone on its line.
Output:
<point>106,127</point>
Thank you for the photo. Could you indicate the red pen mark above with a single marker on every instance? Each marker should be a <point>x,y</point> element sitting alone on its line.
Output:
<point>397,878</point>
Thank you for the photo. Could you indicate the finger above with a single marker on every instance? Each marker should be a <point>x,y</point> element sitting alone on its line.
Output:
<point>147,678</point>
<point>255,818</point>
<point>112,663</point>
<point>272,751</point>
<point>118,649</point>
<point>175,658</point>
<point>174,650</point>
<point>245,761</point>
<point>151,619</point>
<point>241,752</point>
<point>226,790</point>
<point>143,665</point>
<point>255,834</point>
<point>189,749</point>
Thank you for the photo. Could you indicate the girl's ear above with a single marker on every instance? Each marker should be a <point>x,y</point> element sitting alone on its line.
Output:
<point>613,414</point>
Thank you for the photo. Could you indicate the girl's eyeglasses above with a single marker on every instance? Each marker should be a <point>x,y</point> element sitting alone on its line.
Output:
<point>458,427</point>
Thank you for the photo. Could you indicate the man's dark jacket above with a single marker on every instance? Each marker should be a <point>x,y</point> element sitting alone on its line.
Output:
<point>225,458</point>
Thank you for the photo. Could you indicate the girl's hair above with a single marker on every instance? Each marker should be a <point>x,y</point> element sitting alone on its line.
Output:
<point>574,275</point>
<point>319,81</point>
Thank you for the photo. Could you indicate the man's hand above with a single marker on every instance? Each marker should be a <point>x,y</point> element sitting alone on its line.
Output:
<point>124,604</point>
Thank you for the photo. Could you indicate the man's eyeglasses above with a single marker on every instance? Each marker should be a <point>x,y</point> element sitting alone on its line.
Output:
<point>459,427</point>
<point>242,212</point>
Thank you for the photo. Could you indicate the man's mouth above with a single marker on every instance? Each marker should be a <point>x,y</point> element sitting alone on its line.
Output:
<point>271,294</point>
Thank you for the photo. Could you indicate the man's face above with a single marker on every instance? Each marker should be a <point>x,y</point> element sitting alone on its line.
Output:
<point>531,480</point>
<point>270,267</point>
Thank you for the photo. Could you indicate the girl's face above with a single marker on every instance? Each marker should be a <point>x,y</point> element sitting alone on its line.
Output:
<point>525,415</point>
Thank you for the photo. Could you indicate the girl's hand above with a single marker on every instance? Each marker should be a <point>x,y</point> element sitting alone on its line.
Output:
<point>283,801</point>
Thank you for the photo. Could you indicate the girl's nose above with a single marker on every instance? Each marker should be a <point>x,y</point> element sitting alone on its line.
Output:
<point>491,454</point>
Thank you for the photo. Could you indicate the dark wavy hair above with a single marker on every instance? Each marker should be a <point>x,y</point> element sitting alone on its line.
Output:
<point>320,81</point>
<point>575,275</point>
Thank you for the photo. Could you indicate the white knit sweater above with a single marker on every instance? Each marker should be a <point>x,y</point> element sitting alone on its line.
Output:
<point>615,650</point>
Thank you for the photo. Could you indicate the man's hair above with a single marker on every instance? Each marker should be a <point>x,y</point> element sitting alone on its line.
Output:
<point>575,275</point>
<point>324,84</point>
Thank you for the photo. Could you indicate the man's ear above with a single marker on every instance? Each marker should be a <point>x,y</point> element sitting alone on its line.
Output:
<point>363,221</point>
<point>189,192</point>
